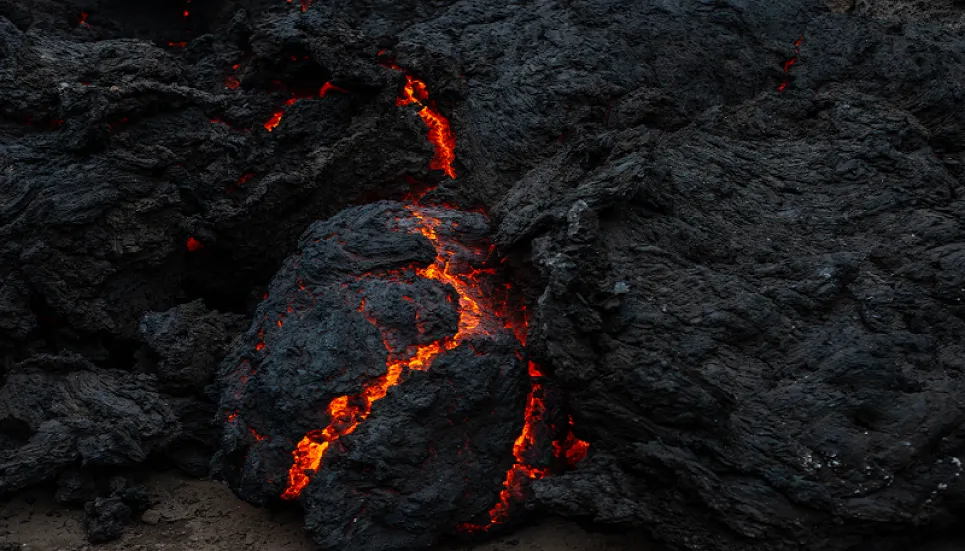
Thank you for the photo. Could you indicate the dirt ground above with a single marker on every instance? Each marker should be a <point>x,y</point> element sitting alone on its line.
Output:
<point>197,515</point>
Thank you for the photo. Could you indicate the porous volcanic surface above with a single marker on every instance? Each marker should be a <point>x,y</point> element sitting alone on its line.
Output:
<point>427,268</point>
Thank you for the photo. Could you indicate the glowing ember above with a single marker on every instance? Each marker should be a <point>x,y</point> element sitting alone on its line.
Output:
<point>232,82</point>
<point>177,44</point>
<point>83,18</point>
<point>329,87</point>
<point>572,448</point>
<point>790,63</point>
<point>520,471</point>
<point>273,121</point>
<point>194,245</point>
<point>440,134</point>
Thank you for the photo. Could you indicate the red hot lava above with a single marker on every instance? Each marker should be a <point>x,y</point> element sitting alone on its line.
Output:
<point>275,119</point>
<point>440,134</point>
<point>790,63</point>
<point>346,412</point>
<point>476,309</point>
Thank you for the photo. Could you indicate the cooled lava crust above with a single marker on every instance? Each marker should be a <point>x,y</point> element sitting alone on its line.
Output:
<point>384,384</point>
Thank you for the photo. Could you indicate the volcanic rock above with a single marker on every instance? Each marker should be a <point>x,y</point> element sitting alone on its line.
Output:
<point>356,303</point>
<point>57,411</point>
<point>736,224</point>
<point>187,343</point>
<point>184,346</point>
<point>765,320</point>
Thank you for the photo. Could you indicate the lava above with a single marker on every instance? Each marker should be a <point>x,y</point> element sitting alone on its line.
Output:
<point>181,44</point>
<point>521,470</point>
<point>232,82</point>
<point>440,134</point>
<point>83,19</point>
<point>277,115</point>
<point>572,449</point>
<point>790,63</point>
<point>273,121</point>
<point>329,87</point>
<point>477,307</point>
<point>347,412</point>
<point>194,245</point>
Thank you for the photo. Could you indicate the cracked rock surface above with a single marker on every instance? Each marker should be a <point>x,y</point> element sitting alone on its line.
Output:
<point>750,300</point>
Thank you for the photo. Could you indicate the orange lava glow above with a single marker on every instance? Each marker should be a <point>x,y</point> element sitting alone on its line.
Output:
<point>479,314</point>
<point>194,245</point>
<point>520,471</point>
<point>440,134</point>
<point>790,63</point>
<point>273,121</point>
<point>572,449</point>
<point>347,412</point>
<point>178,44</point>
<point>83,18</point>
<point>232,82</point>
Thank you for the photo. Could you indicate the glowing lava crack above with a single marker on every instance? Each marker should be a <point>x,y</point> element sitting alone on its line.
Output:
<point>385,372</point>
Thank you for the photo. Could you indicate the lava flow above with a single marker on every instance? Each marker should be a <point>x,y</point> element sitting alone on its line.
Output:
<point>790,63</point>
<point>476,308</point>
<point>346,412</point>
<point>440,134</point>
<point>275,119</point>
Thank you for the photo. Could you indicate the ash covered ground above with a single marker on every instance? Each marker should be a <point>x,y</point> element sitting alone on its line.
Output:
<point>426,269</point>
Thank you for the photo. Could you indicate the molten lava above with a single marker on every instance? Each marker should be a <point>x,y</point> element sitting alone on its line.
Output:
<point>790,63</point>
<point>440,134</point>
<point>273,121</point>
<point>521,470</point>
<point>346,412</point>
<point>194,245</point>
<point>479,312</point>
<point>329,87</point>
<point>83,18</point>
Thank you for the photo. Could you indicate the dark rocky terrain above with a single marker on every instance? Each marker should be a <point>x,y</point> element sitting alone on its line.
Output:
<point>728,232</point>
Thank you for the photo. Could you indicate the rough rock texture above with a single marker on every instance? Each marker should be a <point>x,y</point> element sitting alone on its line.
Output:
<point>433,452</point>
<point>762,312</point>
<point>57,411</point>
<point>752,298</point>
<point>183,347</point>
<point>106,517</point>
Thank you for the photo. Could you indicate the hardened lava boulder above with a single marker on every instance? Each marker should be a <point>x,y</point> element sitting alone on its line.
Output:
<point>382,354</point>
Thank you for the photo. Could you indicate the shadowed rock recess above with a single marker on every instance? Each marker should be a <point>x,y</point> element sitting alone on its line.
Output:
<point>426,268</point>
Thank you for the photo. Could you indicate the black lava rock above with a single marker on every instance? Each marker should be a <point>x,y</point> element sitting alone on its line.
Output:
<point>351,304</point>
<point>106,518</point>
<point>737,225</point>
<point>61,410</point>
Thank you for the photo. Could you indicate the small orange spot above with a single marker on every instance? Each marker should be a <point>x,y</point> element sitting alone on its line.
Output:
<point>232,82</point>
<point>186,13</point>
<point>83,18</point>
<point>194,245</point>
<point>181,44</point>
<point>260,346</point>
<point>273,121</point>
